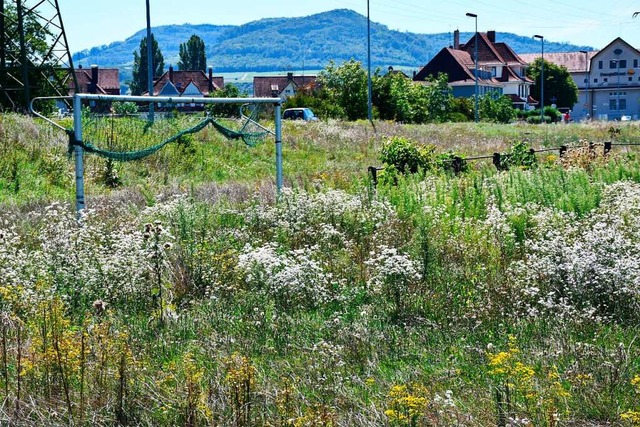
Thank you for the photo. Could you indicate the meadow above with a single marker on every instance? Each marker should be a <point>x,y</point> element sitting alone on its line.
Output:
<point>190,294</point>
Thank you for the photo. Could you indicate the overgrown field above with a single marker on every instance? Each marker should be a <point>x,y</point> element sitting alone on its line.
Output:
<point>189,294</point>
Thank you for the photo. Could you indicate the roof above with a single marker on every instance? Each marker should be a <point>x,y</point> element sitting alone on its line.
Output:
<point>455,63</point>
<point>265,86</point>
<point>487,51</point>
<point>108,81</point>
<point>572,61</point>
<point>182,79</point>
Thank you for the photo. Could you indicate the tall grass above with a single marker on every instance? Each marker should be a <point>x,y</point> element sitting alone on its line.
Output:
<point>191,297</point>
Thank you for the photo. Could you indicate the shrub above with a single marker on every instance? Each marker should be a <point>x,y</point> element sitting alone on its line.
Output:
<point>406,156</point>
<point>520,155</point>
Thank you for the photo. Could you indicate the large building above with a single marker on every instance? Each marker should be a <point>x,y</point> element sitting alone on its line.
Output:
<point>500,69</point>
<point>608,80</point>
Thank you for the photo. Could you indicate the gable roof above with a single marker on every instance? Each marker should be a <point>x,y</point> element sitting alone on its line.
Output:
<point>266,86</point>
<point>572,61</point>
<point>487,52</point>
<point>455,63</point>
<point>108,81</point>
<point>616,40</point>
<point>182,79</point>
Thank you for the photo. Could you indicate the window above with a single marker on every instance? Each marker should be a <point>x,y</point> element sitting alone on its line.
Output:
<point>585,80</point>
<point>623,63</point>
<point>623,104</point>
<point>595,80</point>
<point>630,78</point>
<point>605,80</point>
<point>613,64</point>
<point>635,63</point>
<point>600,65</point>
<point>612,104</point>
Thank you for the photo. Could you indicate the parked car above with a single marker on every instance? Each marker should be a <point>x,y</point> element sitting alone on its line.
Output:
<point>625,118</point>
<point>299,114</point>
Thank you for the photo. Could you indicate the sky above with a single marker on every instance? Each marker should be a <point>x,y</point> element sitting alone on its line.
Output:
<point>582,22</point>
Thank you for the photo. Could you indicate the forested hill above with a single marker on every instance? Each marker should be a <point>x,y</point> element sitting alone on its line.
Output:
<point>281,44</point>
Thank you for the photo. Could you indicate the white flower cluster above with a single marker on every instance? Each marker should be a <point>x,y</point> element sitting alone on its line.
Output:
<point>77,259</point>
<point>389,267</point>
<point>587,267</point>
<point>293,279</point>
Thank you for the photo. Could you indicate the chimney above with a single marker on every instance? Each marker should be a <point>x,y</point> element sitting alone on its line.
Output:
<point>93,87</point>
<point>491,35</point>
<point>210,79</point>
<point>456,39</point>
<point>171,73</point>
<point>290,76</point>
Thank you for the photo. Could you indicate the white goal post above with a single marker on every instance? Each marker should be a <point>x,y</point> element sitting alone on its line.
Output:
<point>77,126</point>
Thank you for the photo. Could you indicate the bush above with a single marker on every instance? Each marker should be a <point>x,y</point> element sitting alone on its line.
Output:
<point>520,155</point>
<point>406,156</point>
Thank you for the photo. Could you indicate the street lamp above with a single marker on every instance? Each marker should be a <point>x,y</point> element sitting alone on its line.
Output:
<point>588,74</point>
<point>475,54</point>
<point>617,61</point>
<point>538,36</point>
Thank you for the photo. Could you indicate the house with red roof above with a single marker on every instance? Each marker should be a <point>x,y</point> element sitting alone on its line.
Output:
<point>103,81</point>
<point>188,84</point>
<point>499,70</point>
<point>281,86</point>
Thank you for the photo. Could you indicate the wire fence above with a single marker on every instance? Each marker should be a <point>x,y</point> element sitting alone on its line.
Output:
<point>500,160</point>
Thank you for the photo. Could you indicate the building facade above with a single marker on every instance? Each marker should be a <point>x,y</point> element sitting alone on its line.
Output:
<point>608,81</point>
<point>499,70</point>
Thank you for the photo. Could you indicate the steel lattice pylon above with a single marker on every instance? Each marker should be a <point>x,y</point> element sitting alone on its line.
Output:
<point>34,54</point>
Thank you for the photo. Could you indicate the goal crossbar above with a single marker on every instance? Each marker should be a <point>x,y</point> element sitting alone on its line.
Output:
<point>77,127</point>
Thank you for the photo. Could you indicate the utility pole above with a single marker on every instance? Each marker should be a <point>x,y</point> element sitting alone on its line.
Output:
<point>149,62</point>
<point>475,55</point>
<point>537,36</point>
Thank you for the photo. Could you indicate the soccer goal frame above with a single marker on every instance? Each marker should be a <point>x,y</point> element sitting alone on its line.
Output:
<point>77,127</point>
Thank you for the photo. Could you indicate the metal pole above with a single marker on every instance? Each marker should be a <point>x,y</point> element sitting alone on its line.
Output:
<point>475,54</point>
<point>278,126</point>
<point>618,89</point>
<point>149,62</point>
<point>23,53</point>
<point>537,36</point>
<point>78,152</point>
<point>2,39</point>
<point>587,74</point>
<point>369,109</point>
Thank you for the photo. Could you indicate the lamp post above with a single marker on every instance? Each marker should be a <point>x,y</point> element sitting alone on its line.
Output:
<point>149,62</point>
<point>475,55</point>
<point>617,61</point>
<point>538,36</point>
<point>369,113</point>
<point>588,74</point>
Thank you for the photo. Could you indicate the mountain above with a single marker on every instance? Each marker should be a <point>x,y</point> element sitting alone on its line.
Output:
<point>284,44</point>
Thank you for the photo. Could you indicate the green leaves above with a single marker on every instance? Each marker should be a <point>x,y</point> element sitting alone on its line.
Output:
<point>192,56</point>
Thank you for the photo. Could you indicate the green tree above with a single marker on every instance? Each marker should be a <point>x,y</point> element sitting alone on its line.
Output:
<point>559,87</point>
<point>391,97</point>
<point>493,107</point>
<point>192,56</point>
<point>139,82</point>
<point>433,101</point>
<point>346,87</point>
<point>226,110</point>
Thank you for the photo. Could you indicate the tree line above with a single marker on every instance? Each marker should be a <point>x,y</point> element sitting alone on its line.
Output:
<point>192,57</point>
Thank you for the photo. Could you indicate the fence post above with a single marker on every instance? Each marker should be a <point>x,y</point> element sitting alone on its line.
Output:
<point>457,164</point>
<point>497,162</point>
<point>607,147</point>
<point>373,171</point>
<point>563,150</point>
